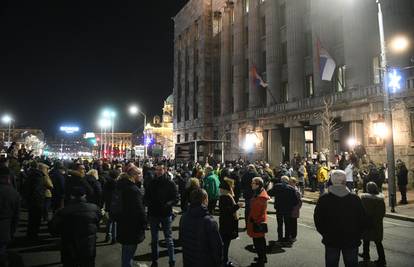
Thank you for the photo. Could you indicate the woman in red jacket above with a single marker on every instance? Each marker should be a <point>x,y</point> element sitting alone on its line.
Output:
<point>257,222</point>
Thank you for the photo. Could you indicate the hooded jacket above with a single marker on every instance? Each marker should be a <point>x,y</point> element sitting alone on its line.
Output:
<point>200,238</point>
<point>340,218</point>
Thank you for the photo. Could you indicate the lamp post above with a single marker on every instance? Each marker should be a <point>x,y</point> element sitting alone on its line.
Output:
<point>7,119</point>
<point>134,110</point>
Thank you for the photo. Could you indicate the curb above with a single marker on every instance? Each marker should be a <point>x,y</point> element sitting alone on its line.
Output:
<point>391,215</point>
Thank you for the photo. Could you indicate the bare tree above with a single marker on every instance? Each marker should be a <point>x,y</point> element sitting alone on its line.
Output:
<point>329,127</point>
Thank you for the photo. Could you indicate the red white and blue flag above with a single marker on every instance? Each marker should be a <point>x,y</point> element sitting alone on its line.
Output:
<point>327,64</point>
<point>257,79</point>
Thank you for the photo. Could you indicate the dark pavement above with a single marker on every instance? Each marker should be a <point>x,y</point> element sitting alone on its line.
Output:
<point>307,251</point>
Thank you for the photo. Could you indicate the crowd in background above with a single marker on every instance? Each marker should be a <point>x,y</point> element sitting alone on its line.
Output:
<point>129,197</point>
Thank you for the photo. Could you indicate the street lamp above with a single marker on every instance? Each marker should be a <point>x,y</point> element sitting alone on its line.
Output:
<point>134,110</point>
<point>7,119</point>
<point>397,44</point>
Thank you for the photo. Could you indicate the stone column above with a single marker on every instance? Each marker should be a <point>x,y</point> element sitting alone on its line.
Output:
<point>295,48</point>
<point>255,99</point>
<point>225,64</point>
<point>238,57</point>
<point>297,142</point>
<point>272,51</point>
<point>275,155</point>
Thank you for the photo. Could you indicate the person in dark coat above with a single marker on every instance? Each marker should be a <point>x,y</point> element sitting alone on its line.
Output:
<point>285,200</point>
<point>374,206</point>
<point>402,180</point>
<point>228,219</point>
<point>340,218</point>
<point>35,197</point>
<point>199,234</point>
<point>77,224</point>
<point>76,178</point>
<point>108,192</point>
<point>92,179</point>
<point>132,221</point>
<point>57,174</point>
<point>160,196</point>
<point>9,212</point>
<point>246,186</point>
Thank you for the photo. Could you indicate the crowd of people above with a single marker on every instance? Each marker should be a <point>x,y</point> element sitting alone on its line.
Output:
<point>129,197</point>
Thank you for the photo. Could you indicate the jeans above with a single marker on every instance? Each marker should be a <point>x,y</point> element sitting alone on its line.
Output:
<point>111,229</point>
<point>286,220</point>
<point>260,246</point>
<point>321,188</point>
<point>350,256</point>
<point>166,228</point>
<point>128,252</point>
<point>380,250</point>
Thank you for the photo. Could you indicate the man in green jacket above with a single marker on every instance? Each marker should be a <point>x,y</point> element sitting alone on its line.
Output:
<point>211,185</point>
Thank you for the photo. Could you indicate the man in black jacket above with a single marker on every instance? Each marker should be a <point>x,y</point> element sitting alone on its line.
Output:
<point>35,196</point>
<point>402,180</point>
<point>340,219</point>
<point>285,200</point>
<point>199,234</point>
<point>57,174</point>
<point>160,196</point>
<point>9,212</point>
<point>77,224</point>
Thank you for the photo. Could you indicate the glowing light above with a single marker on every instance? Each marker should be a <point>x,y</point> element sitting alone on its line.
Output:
<point>395,79</point>
<point>399,44</point>
<point>251,141</point>
<point>69,129</point>
<point>6,119</point>
<point>104,123</point>
<point>352,142</point>
<point>133,110</point>
<point>380,129</point>
<point>148,140</point>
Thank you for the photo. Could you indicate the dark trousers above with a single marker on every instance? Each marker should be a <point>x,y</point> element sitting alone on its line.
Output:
<point>46,208</point>
<point>403,191</point>
<point>226,246</point>
<point>211,205</point>
<point>260,246</point>
<point>293,222</point>
<point>246,210</point>
<point>380,250</point>
<point>35,216</point>
<point>313,183</point>
<point>332,256</point>
<point>286,221</point>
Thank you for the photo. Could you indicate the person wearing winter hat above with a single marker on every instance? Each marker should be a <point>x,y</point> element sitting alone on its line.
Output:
<point>374,205</point>
<point>345,234</point>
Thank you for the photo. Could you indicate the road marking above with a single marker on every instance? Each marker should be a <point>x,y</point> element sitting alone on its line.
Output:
<point>307,226</point>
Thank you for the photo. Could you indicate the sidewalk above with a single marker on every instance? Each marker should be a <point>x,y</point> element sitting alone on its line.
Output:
<point>402,212</point>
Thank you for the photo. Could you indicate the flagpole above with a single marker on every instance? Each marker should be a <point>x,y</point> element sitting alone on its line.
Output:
<point>271,94</point>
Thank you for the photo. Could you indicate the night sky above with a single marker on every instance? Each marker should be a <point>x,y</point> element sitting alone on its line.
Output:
<point>63,61</point>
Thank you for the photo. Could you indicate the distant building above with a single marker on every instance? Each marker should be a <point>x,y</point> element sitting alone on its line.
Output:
<point>19,135</point>
<point>159,133</point>
<point>220,46</point>
<point>119,146</point>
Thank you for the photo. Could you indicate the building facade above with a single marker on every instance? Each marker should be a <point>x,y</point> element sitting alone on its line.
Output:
<point>159,132</point>
<point>218,44</point>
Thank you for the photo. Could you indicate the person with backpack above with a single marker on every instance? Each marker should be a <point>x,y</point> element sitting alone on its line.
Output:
<point>128,210</point>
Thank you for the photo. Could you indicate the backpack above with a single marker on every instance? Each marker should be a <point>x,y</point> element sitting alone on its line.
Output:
<point>116,205</point>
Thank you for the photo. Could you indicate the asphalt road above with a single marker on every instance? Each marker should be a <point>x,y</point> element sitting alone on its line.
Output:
<point>307,251</point>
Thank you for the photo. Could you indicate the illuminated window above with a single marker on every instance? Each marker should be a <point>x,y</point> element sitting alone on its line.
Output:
<point>309,85</point>
<point>285,92</point>
<point>340,78</point>
<point>246,6</point>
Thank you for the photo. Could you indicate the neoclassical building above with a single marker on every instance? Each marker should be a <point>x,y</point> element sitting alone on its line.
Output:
<point>219,43</point>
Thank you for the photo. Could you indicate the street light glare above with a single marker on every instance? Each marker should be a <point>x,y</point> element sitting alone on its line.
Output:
<point>133,110</point>
<point>104,123</point>
<point>399,44</point>
<point>6,119</point>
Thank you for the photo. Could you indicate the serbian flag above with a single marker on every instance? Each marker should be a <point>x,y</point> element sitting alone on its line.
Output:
<point>257,79</point>
<point>326,63</point>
